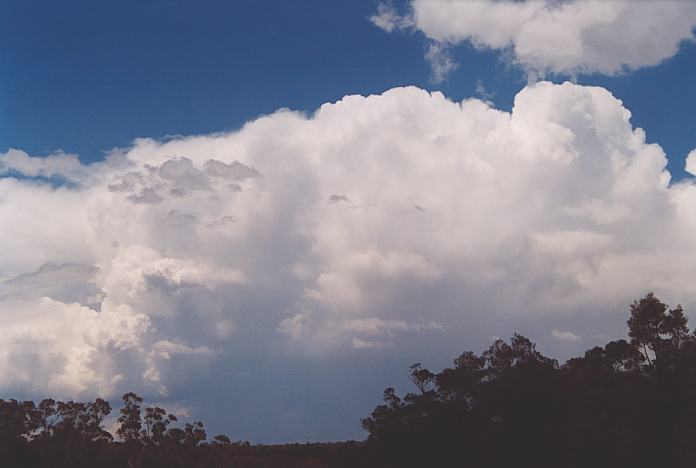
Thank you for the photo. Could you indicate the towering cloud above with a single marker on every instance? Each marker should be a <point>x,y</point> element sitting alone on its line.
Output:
<point>373,220</point>
<point>546,36</point>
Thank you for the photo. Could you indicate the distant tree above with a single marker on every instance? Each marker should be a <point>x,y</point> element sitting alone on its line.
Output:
<point>221,439</point>
<point>622,357</point>
<point>49,416</point>
<point>498,358</point>
<point>512,405</point>
<point>624,404</point>
<point>674,325</point>
<point>380,422</point>
<point>16,419</point>
<point>463,381</point>
<point>176,435</point>
<point>524,352</point>
<point>130,423</point>
<point>595,359</point>
<point>194,433</point>
<point>156,421</point>
<point>647,315</point>
<point>423,379</point>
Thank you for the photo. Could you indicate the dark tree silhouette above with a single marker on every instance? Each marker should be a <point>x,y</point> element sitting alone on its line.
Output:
<point>674,326</point>
<point>130,428</point>
<point>423,379</point>
<point>625,404</point>
<point>156,421</point>
<point>647,314</point>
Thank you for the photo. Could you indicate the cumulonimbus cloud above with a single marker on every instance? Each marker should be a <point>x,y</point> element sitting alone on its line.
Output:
<point>347,230</point>
<point>547,36</point>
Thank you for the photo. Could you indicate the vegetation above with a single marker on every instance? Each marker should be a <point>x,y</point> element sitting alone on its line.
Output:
<point>60,434</point>
<point>628,404</point>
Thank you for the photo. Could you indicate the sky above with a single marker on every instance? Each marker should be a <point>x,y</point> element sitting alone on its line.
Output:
<point>259,213</point>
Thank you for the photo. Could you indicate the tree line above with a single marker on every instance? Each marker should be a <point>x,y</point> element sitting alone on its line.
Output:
<point>631,403</point>
<point>72,434</point>
<point>628,403</point>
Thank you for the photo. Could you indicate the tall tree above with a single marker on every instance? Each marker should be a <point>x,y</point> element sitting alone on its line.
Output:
<point>156,421</point>
<point>647,314</point>
<point>130,427</point>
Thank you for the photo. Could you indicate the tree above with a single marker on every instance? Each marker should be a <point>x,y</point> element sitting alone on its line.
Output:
<point>194,433</point>
<point>674,326</point>
<point>130,427</point>
<point>49,416</point>
<point>221,439</point>
<point>461,382</point>
<point>622,357</point>
<point>17,418</point>
<point>94,418</point>
<point>379,423</point>
<point>647,314</point>
<point>156,421</point>
<point>595,359</point>
<point>423,379</point>
<point>498,358</point>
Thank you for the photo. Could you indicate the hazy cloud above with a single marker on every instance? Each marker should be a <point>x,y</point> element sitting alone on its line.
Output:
<point>565,336</point>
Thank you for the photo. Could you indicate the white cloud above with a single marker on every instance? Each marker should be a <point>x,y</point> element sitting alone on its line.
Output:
<point>565,336</point>
<point>65,348</point>
<point>58,164</point>
<point>375,221</point>
<point>570,37</point>
<point>691,162</point>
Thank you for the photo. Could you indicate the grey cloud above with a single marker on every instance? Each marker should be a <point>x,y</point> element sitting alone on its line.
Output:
<point>177,218</point>
<point>127,182</point>
<point>147,196</point>
<point>65,282</point>
<point>221,221</point>
<point>335,198</point>
<point>233,171</point>
<point>183,174</point>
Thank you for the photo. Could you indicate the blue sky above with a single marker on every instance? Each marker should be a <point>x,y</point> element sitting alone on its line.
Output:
<point>84,77</point>
<point>272,275</point>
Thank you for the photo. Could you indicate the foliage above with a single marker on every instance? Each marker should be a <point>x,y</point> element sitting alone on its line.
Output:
<point>626,404</point>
